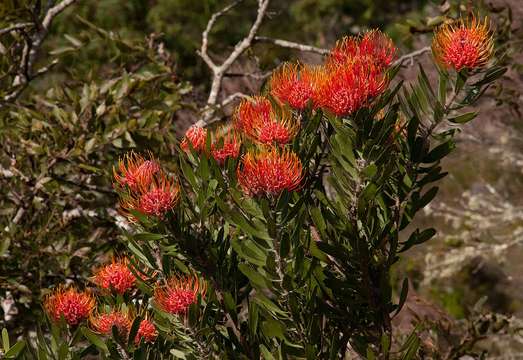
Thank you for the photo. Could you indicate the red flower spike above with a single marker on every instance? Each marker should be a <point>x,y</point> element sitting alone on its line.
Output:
<point>293,84</point>
<point>103,323</point>
<point>225,146</point>
<point>116,275</point>
<point>345,49</point>
<point>135,171</point>
<point>379,48</point>
<point>72,304</point>
<point>348,88</point>
<point>463,44</point>
<point>179,293</point>
<point>374,48</point>
<point>196,136</point>
<point>146,331</point>
<point>161,196</point>
<point>257,109</point>
<point>259,121</point>
<point>269,172</point>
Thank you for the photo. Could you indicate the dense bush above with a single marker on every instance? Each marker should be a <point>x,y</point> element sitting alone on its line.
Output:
<point>272,236</point>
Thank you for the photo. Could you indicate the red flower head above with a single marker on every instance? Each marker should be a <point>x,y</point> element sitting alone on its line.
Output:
<point>377,47</point>
<point>116,275</point>
<point>266,126</point>
<point>147,331</point>
<point>374,48</point>
<point>294,84</point>
<point>269,171</point>
<point>135,170</point>
<point>157,199</point>
<point>226,144</point>
<point>103,323</point>
<point>257,109</point>
<point>347,88</point>
<point>465,44</point>
<point>74,305</point>
<point>179,294</point>
<point>196,136</point>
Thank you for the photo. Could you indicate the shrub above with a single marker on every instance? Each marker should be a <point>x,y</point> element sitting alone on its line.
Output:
<point>274,236</point>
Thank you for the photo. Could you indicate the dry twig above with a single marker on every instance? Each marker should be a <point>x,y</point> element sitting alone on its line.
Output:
<point>220,70</point>
<point>31,49</point>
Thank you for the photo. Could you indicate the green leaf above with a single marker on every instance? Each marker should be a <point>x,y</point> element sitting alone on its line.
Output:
<point>273,328</point>
<point>145,236</point>
<point>417,238</point>
<point>5,339</point>
<point>465,118</point>
<point>491,75</point>
<point>403,295</point>
<point>15,350</point>
<point>256,279</point>
<point>439,152</point>
<point>94,339</point>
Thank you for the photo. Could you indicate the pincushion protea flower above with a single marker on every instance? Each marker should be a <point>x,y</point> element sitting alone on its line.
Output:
<point>157,199</point>
<point>135,170</point>
<point>72,304</point>
<point>463,44</point>
<point>259,121</point>
<point>226,144</point>
<point>115,275</point>
<point>146,331</point>
<point>374,48</point>
<point>294,84</point>
<point>257,109</point>
<point>269,171</point>
<point>195,136</point>
<point>103,322</point>
<point>179,293</point>
<point>349,87</point>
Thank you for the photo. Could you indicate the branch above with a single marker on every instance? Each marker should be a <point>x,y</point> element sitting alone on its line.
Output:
<point>220,70</point>
<point>31,50</point>
<point>13,27</point>
<point>292,45</point>
<point>411,56</point>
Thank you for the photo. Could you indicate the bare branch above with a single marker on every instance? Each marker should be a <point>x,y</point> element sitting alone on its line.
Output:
<point>220,70</point>
<point>292,45</point>
<point>229,99</point>
<point>31,49</point>
<point>410,56</point>
<point>13,27</point>
<point>255,75</point>
<point>205,35</point>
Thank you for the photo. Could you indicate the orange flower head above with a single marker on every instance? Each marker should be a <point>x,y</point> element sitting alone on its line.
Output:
<point>293,84</point>
<point>345,50</point>
<point>379,48</point>
<point>179,293</point>
<point>374,48</point>
<point>157,199</point>
<point>348,88</point>
<point>195,136</point>
<point>115,275</point>
<point>225,145</point>
<point>103,322</point>
<point>257,109</point>
<point>135,171</point>
<point>463,45</point>
<point>146,331</point>
<point>262,123</point>
<point>269,172</point>
<point>72,304</point>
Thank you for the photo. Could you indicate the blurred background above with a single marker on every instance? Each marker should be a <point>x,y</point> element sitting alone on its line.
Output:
<point>125,74</point>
